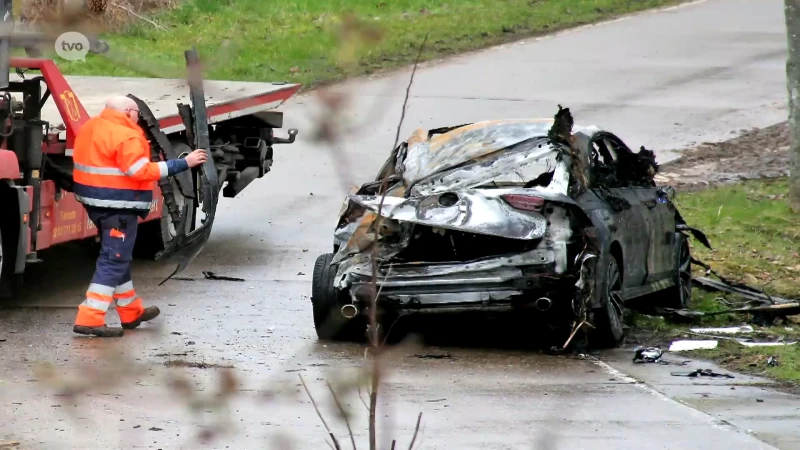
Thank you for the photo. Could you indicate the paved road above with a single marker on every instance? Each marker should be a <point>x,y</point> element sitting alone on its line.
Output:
<point>662,79</point>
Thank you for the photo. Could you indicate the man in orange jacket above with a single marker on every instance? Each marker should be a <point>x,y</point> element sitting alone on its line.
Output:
<point>114,180</point>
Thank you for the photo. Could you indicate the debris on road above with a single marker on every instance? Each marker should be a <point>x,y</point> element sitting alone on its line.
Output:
<point>647,354</point>
<point>433,356</point>
<point>195,365</point>
<point>701,373</point>
<point>688,345</point>
<point>210,276</point>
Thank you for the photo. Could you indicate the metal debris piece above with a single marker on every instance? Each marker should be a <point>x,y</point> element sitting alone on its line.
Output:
<point>701,373</point>
<point>213,276</point>
<point>726,330</point>
<point>210,276</point>
<point>766,344</point>
<point>773,362</point>
<point>688,345</point>
<point>647,355</point>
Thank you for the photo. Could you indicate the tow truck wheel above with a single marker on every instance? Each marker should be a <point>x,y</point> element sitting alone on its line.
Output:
<point>608,318</point>
<point>327,303</point>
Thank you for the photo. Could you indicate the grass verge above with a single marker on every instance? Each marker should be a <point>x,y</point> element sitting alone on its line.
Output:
<point>756,240</point>
<point>315,41</point>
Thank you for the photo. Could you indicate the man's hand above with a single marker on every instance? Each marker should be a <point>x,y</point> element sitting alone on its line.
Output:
<point>196,158</point>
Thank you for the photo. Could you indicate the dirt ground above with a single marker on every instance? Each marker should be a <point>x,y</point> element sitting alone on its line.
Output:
<point>754,154</point>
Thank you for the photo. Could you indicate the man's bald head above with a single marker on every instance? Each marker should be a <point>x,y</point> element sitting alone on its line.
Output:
<point>125,105</point>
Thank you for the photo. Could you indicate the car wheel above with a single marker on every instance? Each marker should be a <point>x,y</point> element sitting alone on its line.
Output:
<point>679,295</point>
<point>608,318</point>
<point>327,301</point>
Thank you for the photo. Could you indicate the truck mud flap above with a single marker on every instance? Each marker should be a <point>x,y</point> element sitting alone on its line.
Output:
<point>186,246</point>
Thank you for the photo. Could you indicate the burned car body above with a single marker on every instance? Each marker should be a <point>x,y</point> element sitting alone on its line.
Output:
<point>510,215</point>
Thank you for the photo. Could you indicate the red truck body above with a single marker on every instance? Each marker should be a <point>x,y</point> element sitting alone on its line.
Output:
<point>61,218</point>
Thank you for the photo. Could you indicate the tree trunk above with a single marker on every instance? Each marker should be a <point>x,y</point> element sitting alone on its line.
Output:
<point>792,14</point>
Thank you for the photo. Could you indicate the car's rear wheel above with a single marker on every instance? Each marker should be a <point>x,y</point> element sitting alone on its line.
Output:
<point>327,302</point>
<point>609,330</point>
<point>679,295</point>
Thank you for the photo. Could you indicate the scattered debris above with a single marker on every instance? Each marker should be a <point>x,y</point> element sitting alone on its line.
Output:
<point>687,345</point>
<point>759,400</point>
<point>726,330</point>
<point>156,429</point>
<point>647,355</point>
<point>701,373</point>
<point>773,362</point>
<point>137,426</point>
<point>433,356</point>
<point>765,344</point>
<point>195,365</point>
<point>190,343</point>
<point>210,276</point>
<point>300,273</point>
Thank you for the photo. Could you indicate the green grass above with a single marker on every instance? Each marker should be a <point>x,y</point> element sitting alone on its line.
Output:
<point>299,40</point>
<point>756,240</point>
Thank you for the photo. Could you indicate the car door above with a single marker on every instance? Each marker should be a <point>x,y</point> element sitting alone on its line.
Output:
<point>658,215</point>
<point>628,216</point>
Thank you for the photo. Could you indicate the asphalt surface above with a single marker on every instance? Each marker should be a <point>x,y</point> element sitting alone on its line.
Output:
<point>662,79</point>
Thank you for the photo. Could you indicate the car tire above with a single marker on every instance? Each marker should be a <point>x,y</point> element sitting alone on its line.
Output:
<point>679,295</point>
<point>609,331</point>
<point>327,301</point>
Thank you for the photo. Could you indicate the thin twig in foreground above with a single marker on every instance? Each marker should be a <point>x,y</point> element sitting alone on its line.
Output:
<point>137,15</point>
<point>344,414</point>
<point>416,431</point>
<point>316,408</point>
<point>373,322</point>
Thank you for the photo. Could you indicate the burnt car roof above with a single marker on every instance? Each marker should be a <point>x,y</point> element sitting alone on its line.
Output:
<point>433,151</point>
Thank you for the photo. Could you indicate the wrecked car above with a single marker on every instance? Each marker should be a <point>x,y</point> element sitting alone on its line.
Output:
<point>537,215</point>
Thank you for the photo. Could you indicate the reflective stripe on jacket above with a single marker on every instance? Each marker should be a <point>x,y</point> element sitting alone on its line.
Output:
<point>112,167</point>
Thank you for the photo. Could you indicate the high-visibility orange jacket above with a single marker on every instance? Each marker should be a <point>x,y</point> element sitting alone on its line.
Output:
<point>112,164</point>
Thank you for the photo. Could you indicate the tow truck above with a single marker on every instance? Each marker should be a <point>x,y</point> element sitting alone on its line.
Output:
<point>41,114</point>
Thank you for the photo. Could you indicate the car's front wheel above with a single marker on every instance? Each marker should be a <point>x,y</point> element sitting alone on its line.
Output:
<point>327,303</point>
<point>609,330</point>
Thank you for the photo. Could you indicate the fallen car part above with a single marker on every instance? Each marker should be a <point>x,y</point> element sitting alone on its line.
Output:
<point>689,345</point>
<point>725,330</point>
<point>702,373</point>
<point>773,362</point>
<point>647,354</point>
<point>766,344</point>
<point>725,285</point>
<point>186,245</point>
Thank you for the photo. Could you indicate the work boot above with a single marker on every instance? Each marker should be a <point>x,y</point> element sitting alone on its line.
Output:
<point>101,331</point>
<point>149,313</point>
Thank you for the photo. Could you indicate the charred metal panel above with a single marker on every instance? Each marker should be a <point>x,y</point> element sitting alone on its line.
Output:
<point>469,211</point>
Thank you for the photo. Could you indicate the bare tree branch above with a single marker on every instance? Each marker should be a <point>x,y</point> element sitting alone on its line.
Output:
<point>316,408</point>
<point>344,414</point>
<point>416,431</point>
